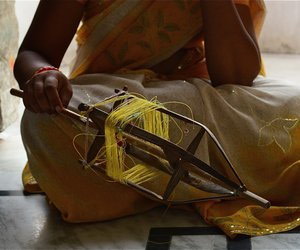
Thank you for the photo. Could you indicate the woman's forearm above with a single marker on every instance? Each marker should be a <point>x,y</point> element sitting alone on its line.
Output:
<point>232,54</point>
<point>27,63</point>
<point>45,91</point>
<point>51,31</point>
<point>47,39</point>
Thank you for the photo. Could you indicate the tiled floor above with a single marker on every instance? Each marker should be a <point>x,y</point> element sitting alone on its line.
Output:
<point>27,222</point>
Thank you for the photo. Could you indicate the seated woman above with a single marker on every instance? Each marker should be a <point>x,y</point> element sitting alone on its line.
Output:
<point>156,48</point>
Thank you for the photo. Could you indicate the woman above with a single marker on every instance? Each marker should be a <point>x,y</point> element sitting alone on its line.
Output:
<point>156,49</point>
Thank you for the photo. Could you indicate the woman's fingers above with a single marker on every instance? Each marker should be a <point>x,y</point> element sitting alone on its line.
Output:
<point>40,97</point>
<point>65,92</point>
<point>31,101</point>
<point>51,85</point>
<point>48,92</point>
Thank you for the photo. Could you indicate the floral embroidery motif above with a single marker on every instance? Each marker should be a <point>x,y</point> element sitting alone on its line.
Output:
<point>278,131</point>
<point>162,28</point>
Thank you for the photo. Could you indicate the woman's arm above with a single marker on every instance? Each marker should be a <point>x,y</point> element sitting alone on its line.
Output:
<point>231,49</point>
<point>45,44</point>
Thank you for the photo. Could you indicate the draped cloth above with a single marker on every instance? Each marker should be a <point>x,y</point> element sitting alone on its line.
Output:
<point>257,126</point>
<point>140,34</point>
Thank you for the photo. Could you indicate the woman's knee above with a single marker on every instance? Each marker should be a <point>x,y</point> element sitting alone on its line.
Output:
<point>37,126</point>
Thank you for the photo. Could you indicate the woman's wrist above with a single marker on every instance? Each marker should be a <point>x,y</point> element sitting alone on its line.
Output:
<point>45,68</point>
<point>42,70</point>
<point>27,64</point>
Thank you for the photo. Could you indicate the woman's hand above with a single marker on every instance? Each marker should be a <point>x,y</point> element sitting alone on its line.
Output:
<point>47,92</point>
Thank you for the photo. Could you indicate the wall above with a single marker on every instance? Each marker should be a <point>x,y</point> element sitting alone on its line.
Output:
<point>25,10</point>
<point>8,50</point>
<point>281,33</point>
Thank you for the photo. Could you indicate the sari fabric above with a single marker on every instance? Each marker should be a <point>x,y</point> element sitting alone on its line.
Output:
<point>142,33</point>
<point>257,126</point>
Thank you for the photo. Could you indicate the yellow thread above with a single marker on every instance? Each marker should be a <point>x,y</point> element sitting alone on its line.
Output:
<point>181,132</point>
<point>140,173</point>
<point>86,137</point>
<point>75,147</point>
<point>181,103</point>
<point>146,115</point>
<point>138,95</point>
<point>88,166</point>
<point>142,113</point>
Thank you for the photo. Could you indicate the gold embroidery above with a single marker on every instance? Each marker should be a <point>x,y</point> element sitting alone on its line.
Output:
<point>278,131</point>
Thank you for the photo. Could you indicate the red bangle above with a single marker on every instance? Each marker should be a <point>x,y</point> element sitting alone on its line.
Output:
<point>43,69</point>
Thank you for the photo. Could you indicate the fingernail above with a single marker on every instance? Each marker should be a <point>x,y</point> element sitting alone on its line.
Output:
<point>58,109</point>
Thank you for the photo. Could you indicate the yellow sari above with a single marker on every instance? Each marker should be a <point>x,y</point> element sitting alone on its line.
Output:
<point>257,126</point>
<point>139,34</point>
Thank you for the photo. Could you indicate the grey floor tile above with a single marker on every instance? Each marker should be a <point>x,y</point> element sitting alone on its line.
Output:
<point>29,223</point>
<point>276,242</point>
<point>199,242</point>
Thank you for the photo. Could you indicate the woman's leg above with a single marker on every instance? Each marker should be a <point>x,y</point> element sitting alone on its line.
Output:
<point>80,195</point>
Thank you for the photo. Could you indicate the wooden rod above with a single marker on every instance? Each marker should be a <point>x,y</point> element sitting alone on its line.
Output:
<point>66,112</point>
<point>134,141</point>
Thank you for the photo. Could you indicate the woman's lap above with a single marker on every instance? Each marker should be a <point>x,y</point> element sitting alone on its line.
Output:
<point>239,116</point>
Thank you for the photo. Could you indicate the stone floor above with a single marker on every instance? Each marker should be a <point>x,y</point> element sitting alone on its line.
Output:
<point>27,222</point>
